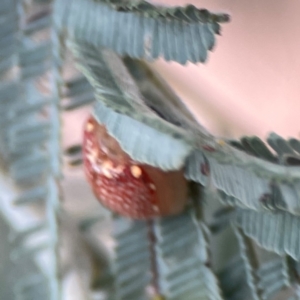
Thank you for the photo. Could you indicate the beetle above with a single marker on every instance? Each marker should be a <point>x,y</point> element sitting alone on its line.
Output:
<point>125,186</point>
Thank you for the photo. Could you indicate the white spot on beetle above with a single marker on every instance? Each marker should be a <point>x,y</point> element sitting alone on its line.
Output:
<point>89,127</point>
<point>136,171</point>
<point>155,208</point>
<point>152,186</point>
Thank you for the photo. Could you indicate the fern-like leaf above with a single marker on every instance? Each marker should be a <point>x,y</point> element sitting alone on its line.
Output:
<point>238,279</point>
<point>132,259</point>
<point>30,138</point>
<point>166,152</point>
<point>273,277</point>
<point>182,262</point>
<point>250,187</point>
<point>142,30</point>
<point>239,183</point>
<point>119,91</point>
<point>277,232</point>
<point>78,93</point>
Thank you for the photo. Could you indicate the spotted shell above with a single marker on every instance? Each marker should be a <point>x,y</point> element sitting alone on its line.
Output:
<point>134,190</point>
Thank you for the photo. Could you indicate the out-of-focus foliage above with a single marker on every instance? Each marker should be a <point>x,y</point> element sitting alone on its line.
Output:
<point>30,144</point>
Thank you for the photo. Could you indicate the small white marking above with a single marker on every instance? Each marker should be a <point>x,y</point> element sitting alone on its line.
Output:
<point>155,208</point>
<point>136,171</point>
<point>89,127</point>
<point>96,168</point>
<point>119,169</point>
<point>92,156</point>
<point>152,186</point>
<point>106,167</point>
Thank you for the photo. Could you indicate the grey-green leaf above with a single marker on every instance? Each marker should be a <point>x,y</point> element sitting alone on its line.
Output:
<point>146,144</point>
<point>132,261</point>
<point>237,279</point>
<point>273,276</point>
<point>277,232</point>
<point>182,269</point>
<point>157,142</point>
<point>141,32</point>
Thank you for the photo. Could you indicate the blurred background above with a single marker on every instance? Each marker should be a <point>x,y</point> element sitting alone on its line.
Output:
<point>250,83</point>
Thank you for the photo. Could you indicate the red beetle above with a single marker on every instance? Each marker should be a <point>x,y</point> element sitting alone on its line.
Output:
<point>134,190</point>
